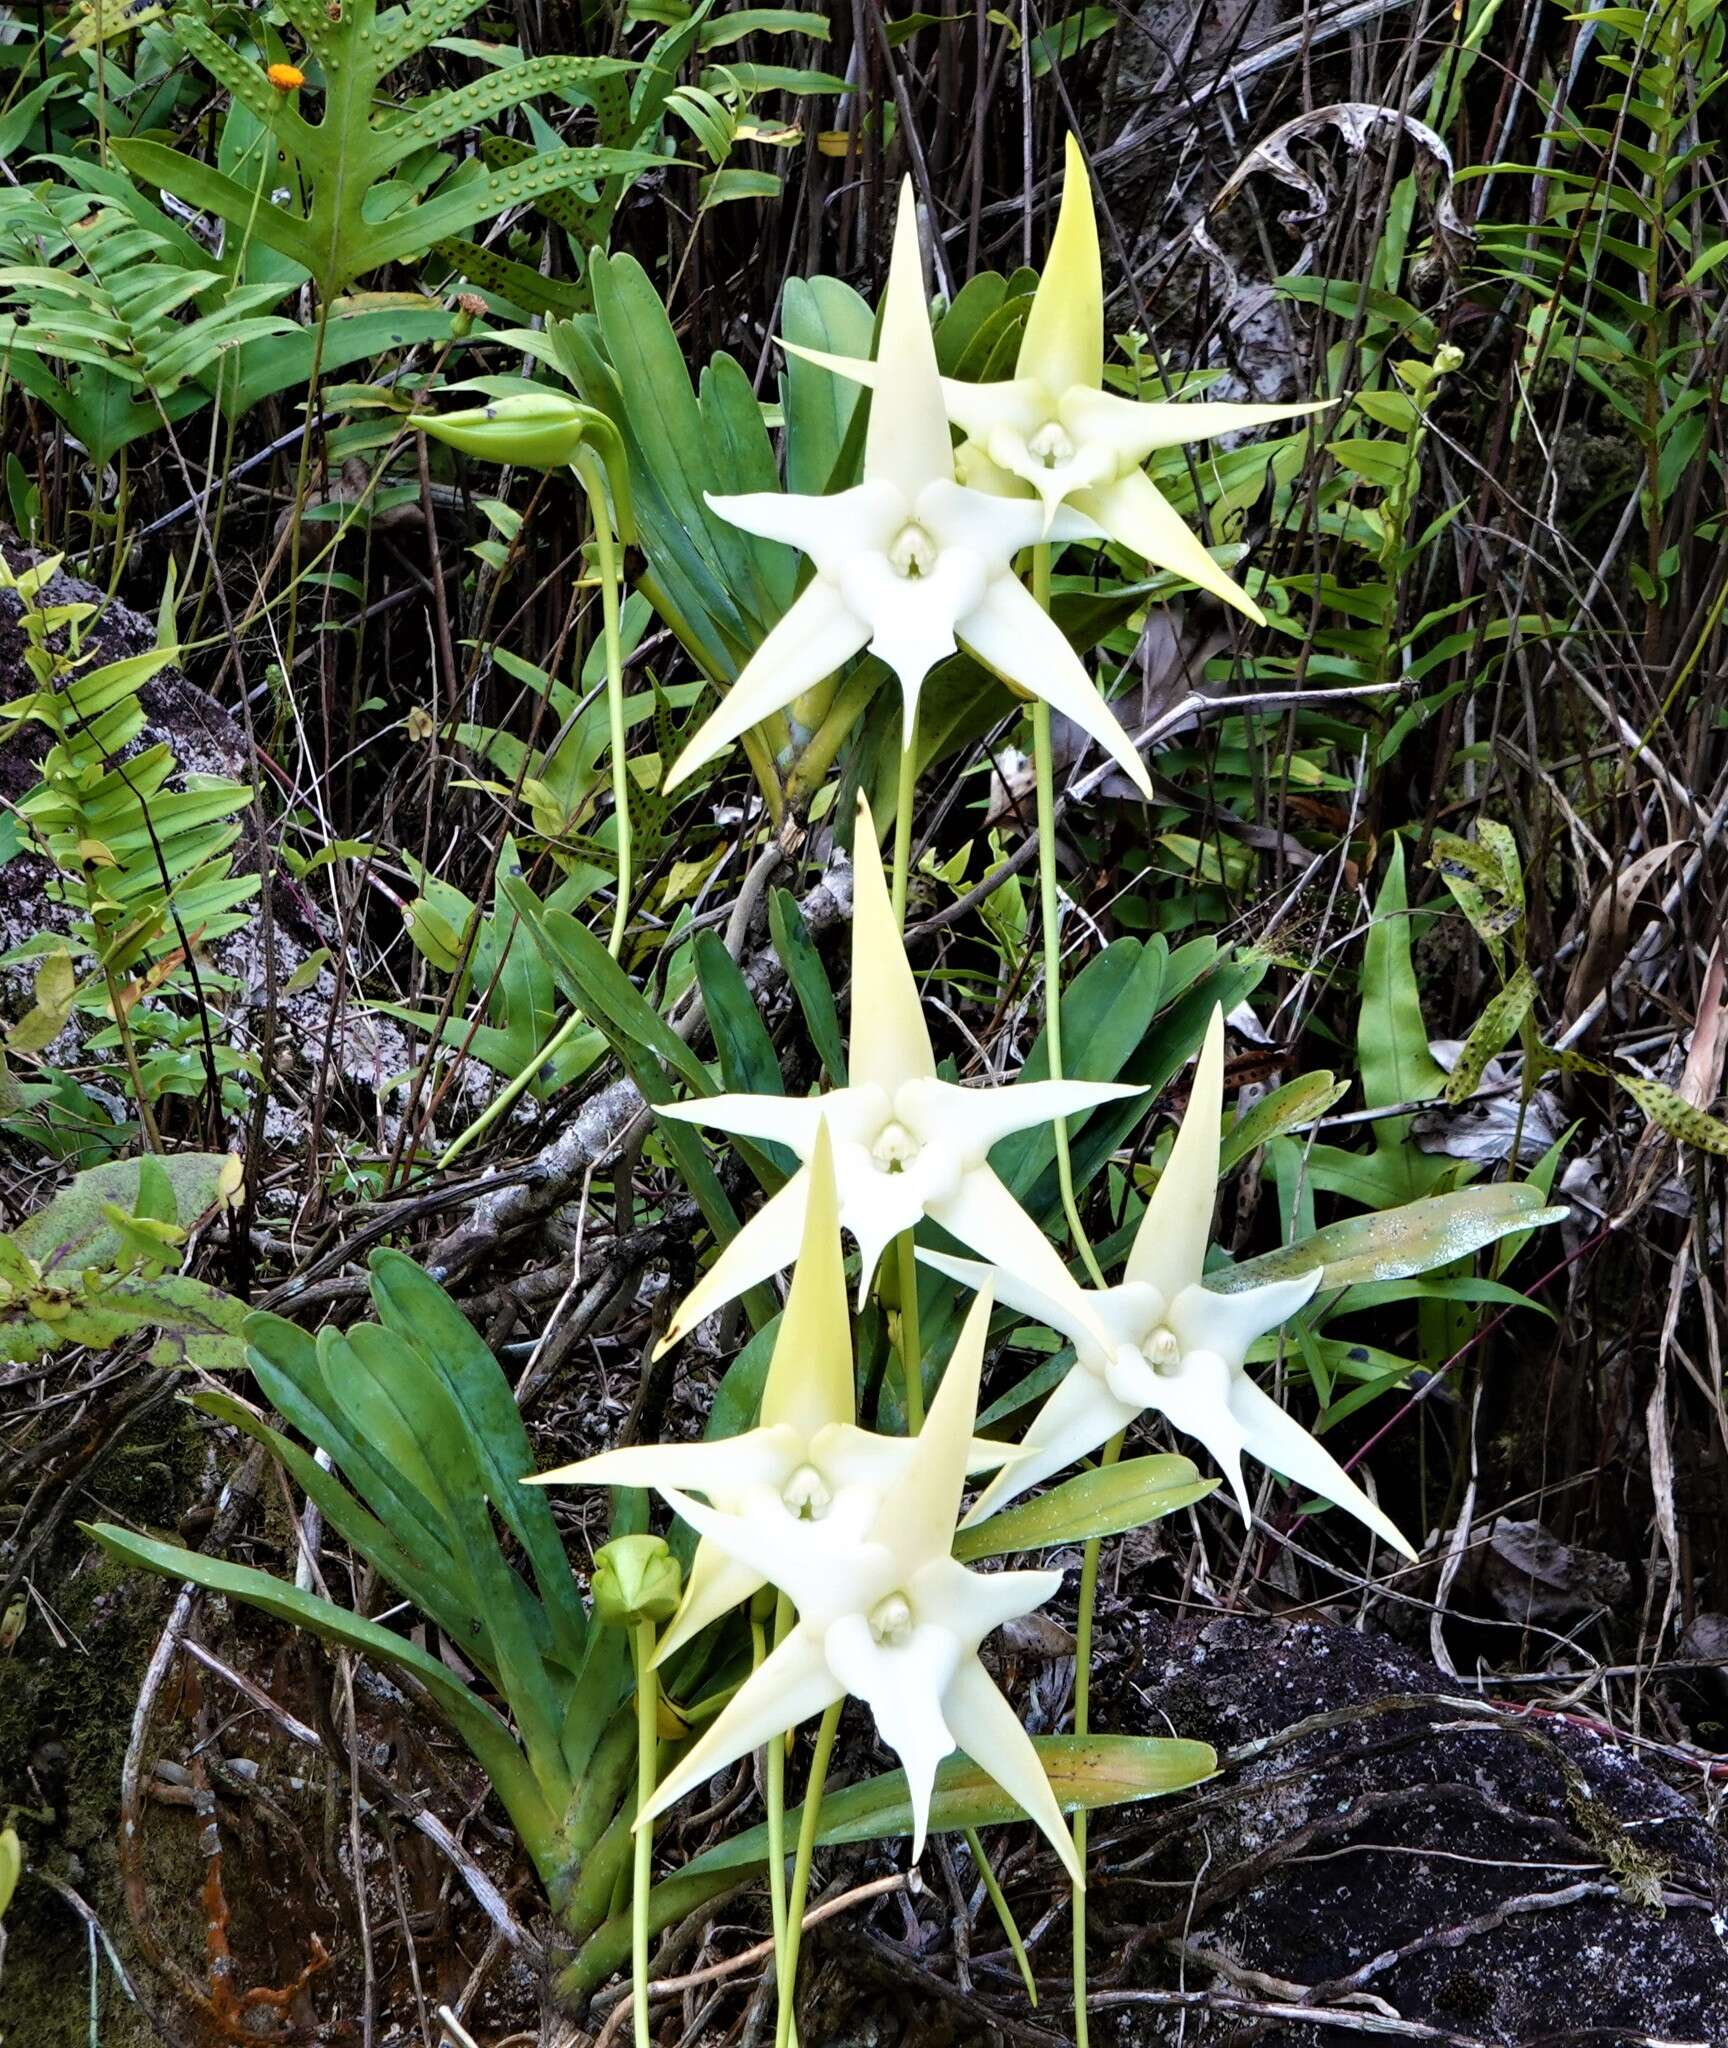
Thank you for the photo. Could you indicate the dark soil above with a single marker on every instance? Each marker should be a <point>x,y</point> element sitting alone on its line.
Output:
<point>1512,1878</point>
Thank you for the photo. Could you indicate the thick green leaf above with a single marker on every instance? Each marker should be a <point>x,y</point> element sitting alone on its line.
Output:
<point>748,1061</point>
<point>810,983</point>
<point>1089,1771</point>
<point>288,1364</point>
<point>389,1391</point>
<point>1391,1038</point>
<point>820,313</point>
<point>431,1583</point>
<point>1299,1102</point>
<point>1417,1237</point>
<point>412,1303</point>
<point>1103,1502</point>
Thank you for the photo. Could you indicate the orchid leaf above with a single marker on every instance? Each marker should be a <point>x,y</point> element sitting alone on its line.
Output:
<point>1392,1244</point>
<point>1103,1502</point>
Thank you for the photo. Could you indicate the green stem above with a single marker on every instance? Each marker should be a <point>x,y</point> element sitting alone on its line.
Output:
<point>1004,1912</point>
<point>1082,1710</point>
<point>647,1749</point>
<point>1050,922</point>
<point>129,1051</point>
<point>903,813</point>
<point>849,705</point>
<point>592,472</point>
<point>502,1103</point>
<point>813,1791</point>
<point>774,1792</point>
<point>911,1344</point>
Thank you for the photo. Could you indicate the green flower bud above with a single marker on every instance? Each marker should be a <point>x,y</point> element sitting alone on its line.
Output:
<point>530,429</point>
<point>636,1578</point>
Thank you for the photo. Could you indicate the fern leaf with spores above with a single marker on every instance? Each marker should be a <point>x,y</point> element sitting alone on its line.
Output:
<point>243,78</point>
<point>549,297</point>
<point>449,113</point>
<point>445,214</point>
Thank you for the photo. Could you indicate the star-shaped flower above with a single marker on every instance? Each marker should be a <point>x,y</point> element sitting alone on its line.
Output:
<point>906,1144</point>
<point>908,563</point>
<point>1054,427</point>
<point>1164,1341</point>
<point>807,1459</point>
<point>887,1614</point>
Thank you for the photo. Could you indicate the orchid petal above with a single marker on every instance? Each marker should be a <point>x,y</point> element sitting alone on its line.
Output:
<point>1136,514</point>
<point>1133,429</point>
<point>779,1119</point>
<point>759,1457</point>
<point>856,369</point>
<point>1067,1310</point>
<point>911,618</point>
<point>1229,1323</point>
<point>1170,1246</point>
<point>906,439</point>
<point>903,1685</point>
<point>985,1216</point>
<point>1279,1440</point>
<point>823,1567</point>
<point>987,1728</point>
<point>1011,633</point>
<point>830,530</point>
<point>1087,465</point>
<point>890,1041</point>
<point>918,1513</point>
<point>975,1119</point>
<point>991,527</point>
<point>767,1244</point>
<point>974,1605</point>
<point>974,408</point>
<point>1196,1399</point>
<point>1064,339</point>
<point>714,1585</point>
<point>789,1686</point>
<point>809,643</point>
<point>1080,1414</point>
<point>876,1207</point>
<point>809,1378</point>
<point>1019,404</point>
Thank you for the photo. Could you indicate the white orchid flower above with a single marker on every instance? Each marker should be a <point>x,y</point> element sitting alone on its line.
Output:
<point>909,563</point>
<point>886,1614</point>
<point>906,1144</point>
<point>1054,427</point>
<point>1164,1341</point>
<point>806,1458</point>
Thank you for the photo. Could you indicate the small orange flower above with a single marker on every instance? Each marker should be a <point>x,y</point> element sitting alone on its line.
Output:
<point>285,77</point>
